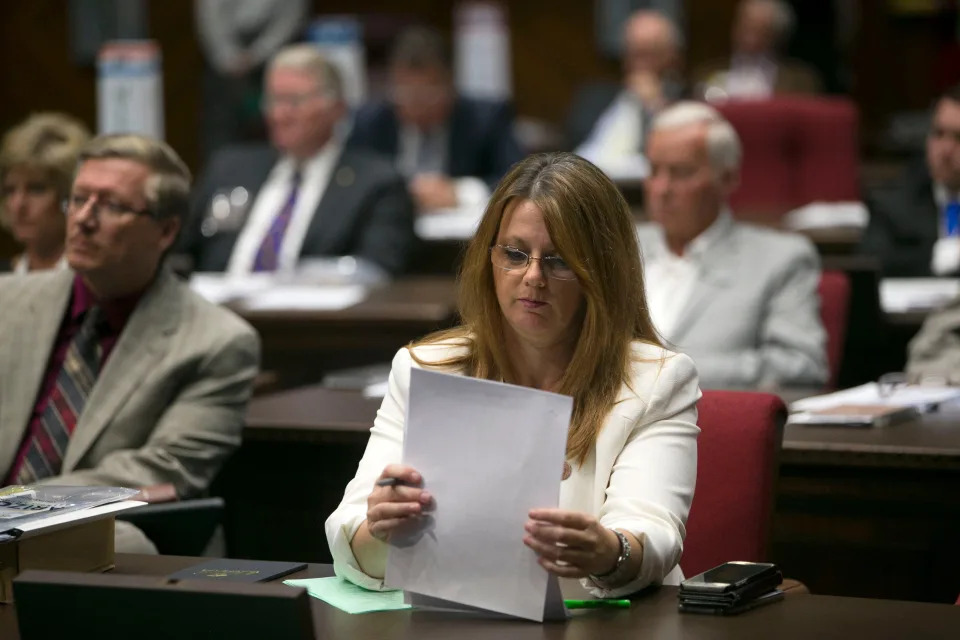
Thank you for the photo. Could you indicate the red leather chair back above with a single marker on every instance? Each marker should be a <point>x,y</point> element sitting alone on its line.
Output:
<point>796,150</point>
<point>834,290</point>
<point>737,467</point>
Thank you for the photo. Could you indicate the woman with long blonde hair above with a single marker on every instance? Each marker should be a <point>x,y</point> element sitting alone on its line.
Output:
<point>552,297</point>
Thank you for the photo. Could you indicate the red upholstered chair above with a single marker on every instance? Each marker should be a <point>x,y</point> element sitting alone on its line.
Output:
<point>796,150</point>
<point>834,290</point>
<point>737,467</point>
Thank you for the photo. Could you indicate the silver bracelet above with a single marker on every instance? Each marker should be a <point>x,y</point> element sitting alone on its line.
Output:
<point>617,575</point>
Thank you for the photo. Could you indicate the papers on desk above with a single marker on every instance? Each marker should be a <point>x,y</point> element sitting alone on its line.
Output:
<point>306,298</point>
<point>262,292</point>
<point>827,215</point>
<point>898,295</point>
<point>920,398</point>
<point>348,597</point>
<point>221,288</point>
<point>488,452</point>
<point>448,224</point>
<point>40,509</point>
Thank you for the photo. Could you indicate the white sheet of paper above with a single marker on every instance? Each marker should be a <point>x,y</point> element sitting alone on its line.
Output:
<point>917,294</point>
<point>488,452</point>
<point>306,297</point>
<point>827,215</point>
<point>73,518</point>
<point>449,224</point>
<point>922,397</point>
<point>219,288</point>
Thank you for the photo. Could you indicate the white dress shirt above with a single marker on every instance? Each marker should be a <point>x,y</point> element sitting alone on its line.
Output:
<point>22,267</point>
<point>315,175</point>
<point>639,476</point>
<point>419,152</point>
<point>669,279</point>
<point>616,141</point>
<point>751,77</point>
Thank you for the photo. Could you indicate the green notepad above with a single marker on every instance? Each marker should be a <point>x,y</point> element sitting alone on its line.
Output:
<point>349,597</point>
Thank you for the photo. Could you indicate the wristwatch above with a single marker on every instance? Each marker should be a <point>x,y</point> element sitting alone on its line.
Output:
<point>617,575</point>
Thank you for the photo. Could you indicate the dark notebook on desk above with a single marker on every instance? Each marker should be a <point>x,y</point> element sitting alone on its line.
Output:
<point>237,570</point>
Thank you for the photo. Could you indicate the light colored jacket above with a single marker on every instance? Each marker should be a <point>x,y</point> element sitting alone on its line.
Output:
<point>639,476</point>
<point>168,405</point>
<point>753,316</point>
<point>935,351</point>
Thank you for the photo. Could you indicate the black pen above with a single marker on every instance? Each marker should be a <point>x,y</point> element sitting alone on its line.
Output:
<point>390,482</point>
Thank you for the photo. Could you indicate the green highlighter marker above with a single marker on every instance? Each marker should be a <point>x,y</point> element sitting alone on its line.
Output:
<point>597,604</point>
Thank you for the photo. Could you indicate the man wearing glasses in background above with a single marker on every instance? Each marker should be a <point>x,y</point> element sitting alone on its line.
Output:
<point>452,149</point>
<point>264,208</point>
<point>113,372</point>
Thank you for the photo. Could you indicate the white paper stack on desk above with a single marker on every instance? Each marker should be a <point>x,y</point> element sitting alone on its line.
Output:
<point>31,510</point>
<point>865,406</point>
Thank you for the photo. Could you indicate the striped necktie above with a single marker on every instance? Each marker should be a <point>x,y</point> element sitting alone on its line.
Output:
<point>268,255</point>
<point>65,403</point>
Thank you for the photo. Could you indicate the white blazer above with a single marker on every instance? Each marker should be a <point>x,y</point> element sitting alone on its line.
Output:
<point>639,477</point>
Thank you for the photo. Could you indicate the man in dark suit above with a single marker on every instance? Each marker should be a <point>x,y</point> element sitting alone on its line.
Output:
<point>914,229</point>
<point>263,208</point>
<point>452,149</point>
<point>607,123</point>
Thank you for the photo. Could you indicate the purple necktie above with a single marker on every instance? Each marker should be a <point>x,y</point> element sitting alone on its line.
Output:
<point>269,252</point>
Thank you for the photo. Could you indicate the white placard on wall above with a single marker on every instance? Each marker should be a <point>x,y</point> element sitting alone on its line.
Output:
<point>130,88</point>
<point>482,51</point>
<point>340,38</point>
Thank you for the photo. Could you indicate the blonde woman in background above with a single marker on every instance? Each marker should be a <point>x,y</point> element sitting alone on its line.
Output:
<point>37,162</point>
<point>552,297</point>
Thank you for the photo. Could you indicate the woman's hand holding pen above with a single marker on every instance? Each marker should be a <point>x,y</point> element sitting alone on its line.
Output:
<point>397,501</point>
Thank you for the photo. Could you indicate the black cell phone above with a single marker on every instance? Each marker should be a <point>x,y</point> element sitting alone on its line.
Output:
<point>732,598</point>
<point>729,576</point>
<point>773,596</point>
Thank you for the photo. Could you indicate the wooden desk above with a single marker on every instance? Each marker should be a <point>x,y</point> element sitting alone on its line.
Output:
<point>653,615</point>
<point>872,512</point>
<point>303,345</point>
<point>864,512</point>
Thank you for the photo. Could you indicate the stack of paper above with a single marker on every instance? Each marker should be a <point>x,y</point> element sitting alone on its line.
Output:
<point>30,510</point>
<point>898,295</point>
<point>220,288</point>
<point>838,408</point>
<point>305,298</point>
<point>488,453</point>
<point>349,597</point>
<point>267,291</point>
<point>827,215</point>
<point>449,224</point>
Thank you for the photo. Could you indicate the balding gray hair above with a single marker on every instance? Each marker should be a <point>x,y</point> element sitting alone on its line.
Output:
<point>309,59</point>
<point>723,143</point>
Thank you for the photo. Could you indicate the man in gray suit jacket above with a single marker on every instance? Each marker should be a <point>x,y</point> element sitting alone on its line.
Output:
<point>263,208</point>
<point>113,372</point>
<point>740,300</point>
